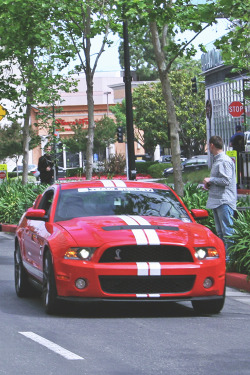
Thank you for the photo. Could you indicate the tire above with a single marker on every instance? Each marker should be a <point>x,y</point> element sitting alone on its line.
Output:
<point>209,306</point>
<point>49,286</point>
<point>22,286</point>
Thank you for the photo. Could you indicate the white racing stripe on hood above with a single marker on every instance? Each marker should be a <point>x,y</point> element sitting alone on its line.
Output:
<point>139,234</point>
<point>151,234</point>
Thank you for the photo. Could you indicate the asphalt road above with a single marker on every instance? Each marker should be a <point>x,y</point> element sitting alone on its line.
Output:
<point>119,339</point>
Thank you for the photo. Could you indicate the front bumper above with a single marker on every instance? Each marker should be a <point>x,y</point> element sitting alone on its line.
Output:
<point>140,281</point>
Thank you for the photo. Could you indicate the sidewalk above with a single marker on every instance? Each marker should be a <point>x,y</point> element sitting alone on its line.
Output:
<point>233,280</point>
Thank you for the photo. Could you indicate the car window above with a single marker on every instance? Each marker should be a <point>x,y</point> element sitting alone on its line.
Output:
<point>46,201</point>
<point>103,202</point>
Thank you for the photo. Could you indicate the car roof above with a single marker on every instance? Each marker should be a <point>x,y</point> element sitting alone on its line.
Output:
<point>199,156</point>
<point>111,184</point>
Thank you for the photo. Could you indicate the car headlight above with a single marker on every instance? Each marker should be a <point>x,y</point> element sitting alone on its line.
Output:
<point>206,253</point>
<point>84,253</point>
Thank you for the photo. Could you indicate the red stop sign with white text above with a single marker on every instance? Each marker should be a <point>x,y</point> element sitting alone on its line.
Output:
<point>236,109</point>
<point>2,175</point>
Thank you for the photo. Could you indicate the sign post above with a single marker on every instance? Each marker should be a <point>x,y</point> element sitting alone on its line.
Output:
<point>236,109</point>
<point>2,112</point>
<point>233,155</point>
<point>3,173</point>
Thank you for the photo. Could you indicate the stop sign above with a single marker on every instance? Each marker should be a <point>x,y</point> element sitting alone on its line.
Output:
<point>2,175</point>
<point>236,109</point>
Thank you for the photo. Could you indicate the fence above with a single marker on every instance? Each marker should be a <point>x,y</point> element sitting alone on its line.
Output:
<point>244,163</point>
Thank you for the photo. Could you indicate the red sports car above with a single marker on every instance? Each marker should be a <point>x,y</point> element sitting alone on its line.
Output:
<point>118,240</point>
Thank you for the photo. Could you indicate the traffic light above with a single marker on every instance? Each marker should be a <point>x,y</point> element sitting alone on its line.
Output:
<point>120,134</point>
<point>194,85</point>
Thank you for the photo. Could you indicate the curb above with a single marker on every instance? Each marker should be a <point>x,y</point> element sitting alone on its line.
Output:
<point>8,228</point>
<point>237,281</point>
<point>233,280</point>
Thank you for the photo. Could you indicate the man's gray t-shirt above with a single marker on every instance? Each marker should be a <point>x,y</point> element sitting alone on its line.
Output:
<point>222,188</point>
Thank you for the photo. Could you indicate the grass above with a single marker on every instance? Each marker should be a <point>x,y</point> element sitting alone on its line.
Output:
<point>193,176</point>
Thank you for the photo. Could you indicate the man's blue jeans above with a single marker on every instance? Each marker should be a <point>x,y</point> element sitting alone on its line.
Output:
<point>223,217</point>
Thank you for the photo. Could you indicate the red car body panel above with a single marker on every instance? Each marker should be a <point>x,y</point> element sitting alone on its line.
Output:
<point>106,232</point>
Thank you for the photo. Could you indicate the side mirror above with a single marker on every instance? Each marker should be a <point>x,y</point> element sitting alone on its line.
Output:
<point>36,214</point>
<point>199,213</point>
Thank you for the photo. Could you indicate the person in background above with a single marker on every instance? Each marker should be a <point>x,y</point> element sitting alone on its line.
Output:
<point>237,143</point>
<point>46,169</point>
<point>222,195</point>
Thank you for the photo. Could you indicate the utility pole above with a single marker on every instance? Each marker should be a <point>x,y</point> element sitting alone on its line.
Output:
<point>107,93</point>
<point>129,108</point>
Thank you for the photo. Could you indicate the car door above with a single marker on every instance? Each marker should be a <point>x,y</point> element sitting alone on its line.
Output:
<point>36,236</point>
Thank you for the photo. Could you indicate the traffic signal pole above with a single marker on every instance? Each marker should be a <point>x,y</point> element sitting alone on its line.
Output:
<point>129,108</point>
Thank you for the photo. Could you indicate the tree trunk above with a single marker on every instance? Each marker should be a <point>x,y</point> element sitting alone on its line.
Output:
<point>91,126</point>
<point>26,140</point>
<point>170,106</point>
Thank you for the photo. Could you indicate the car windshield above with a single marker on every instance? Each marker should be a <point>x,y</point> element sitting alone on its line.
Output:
<point>85,202</point>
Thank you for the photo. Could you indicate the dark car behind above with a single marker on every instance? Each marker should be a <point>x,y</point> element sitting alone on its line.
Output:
<point>194,163</point>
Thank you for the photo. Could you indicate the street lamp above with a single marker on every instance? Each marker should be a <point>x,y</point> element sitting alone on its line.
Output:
<point>107,93</point>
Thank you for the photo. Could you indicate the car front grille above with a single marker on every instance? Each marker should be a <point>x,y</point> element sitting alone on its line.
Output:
<point>149,253</point>
<point>147,284</point>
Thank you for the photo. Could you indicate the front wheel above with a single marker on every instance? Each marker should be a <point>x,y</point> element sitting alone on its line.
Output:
<point>49,286</point>
<point>209,306</point>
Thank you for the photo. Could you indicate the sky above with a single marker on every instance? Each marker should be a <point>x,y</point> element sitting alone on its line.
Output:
<point>109,61</point>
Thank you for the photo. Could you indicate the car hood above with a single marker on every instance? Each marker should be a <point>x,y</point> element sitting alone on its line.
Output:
<point>140,230</point>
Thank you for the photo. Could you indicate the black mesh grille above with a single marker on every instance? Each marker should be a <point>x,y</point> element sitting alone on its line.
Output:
<point>146,284</point>
<point>146,254</point>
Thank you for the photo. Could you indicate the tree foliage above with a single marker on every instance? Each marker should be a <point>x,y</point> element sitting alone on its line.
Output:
<point>105,135</point>
<point>165,19</point>
<point>235,45</point>
<point>11,140</point>
<point>150,115</point>
<point>77,23</point>
<point>29,55</point>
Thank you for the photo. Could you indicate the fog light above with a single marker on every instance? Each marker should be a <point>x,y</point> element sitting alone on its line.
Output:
<point>81,283</point>
<point>208,282</point>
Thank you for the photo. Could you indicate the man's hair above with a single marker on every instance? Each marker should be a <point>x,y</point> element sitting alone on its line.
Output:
<point>216,141</point>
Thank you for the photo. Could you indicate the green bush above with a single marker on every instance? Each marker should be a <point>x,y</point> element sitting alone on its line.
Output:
<point>239,251</point>
<point>143,166</point>
<point>156,169</point>
<point>115,165</point>
<point>15,198</point>
<point>74,172</point>
<point>196,197</point>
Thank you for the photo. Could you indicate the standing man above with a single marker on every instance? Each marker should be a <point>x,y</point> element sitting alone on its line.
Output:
<point>237,142</point>
<point>222,196</point>
<point>45,167</point>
